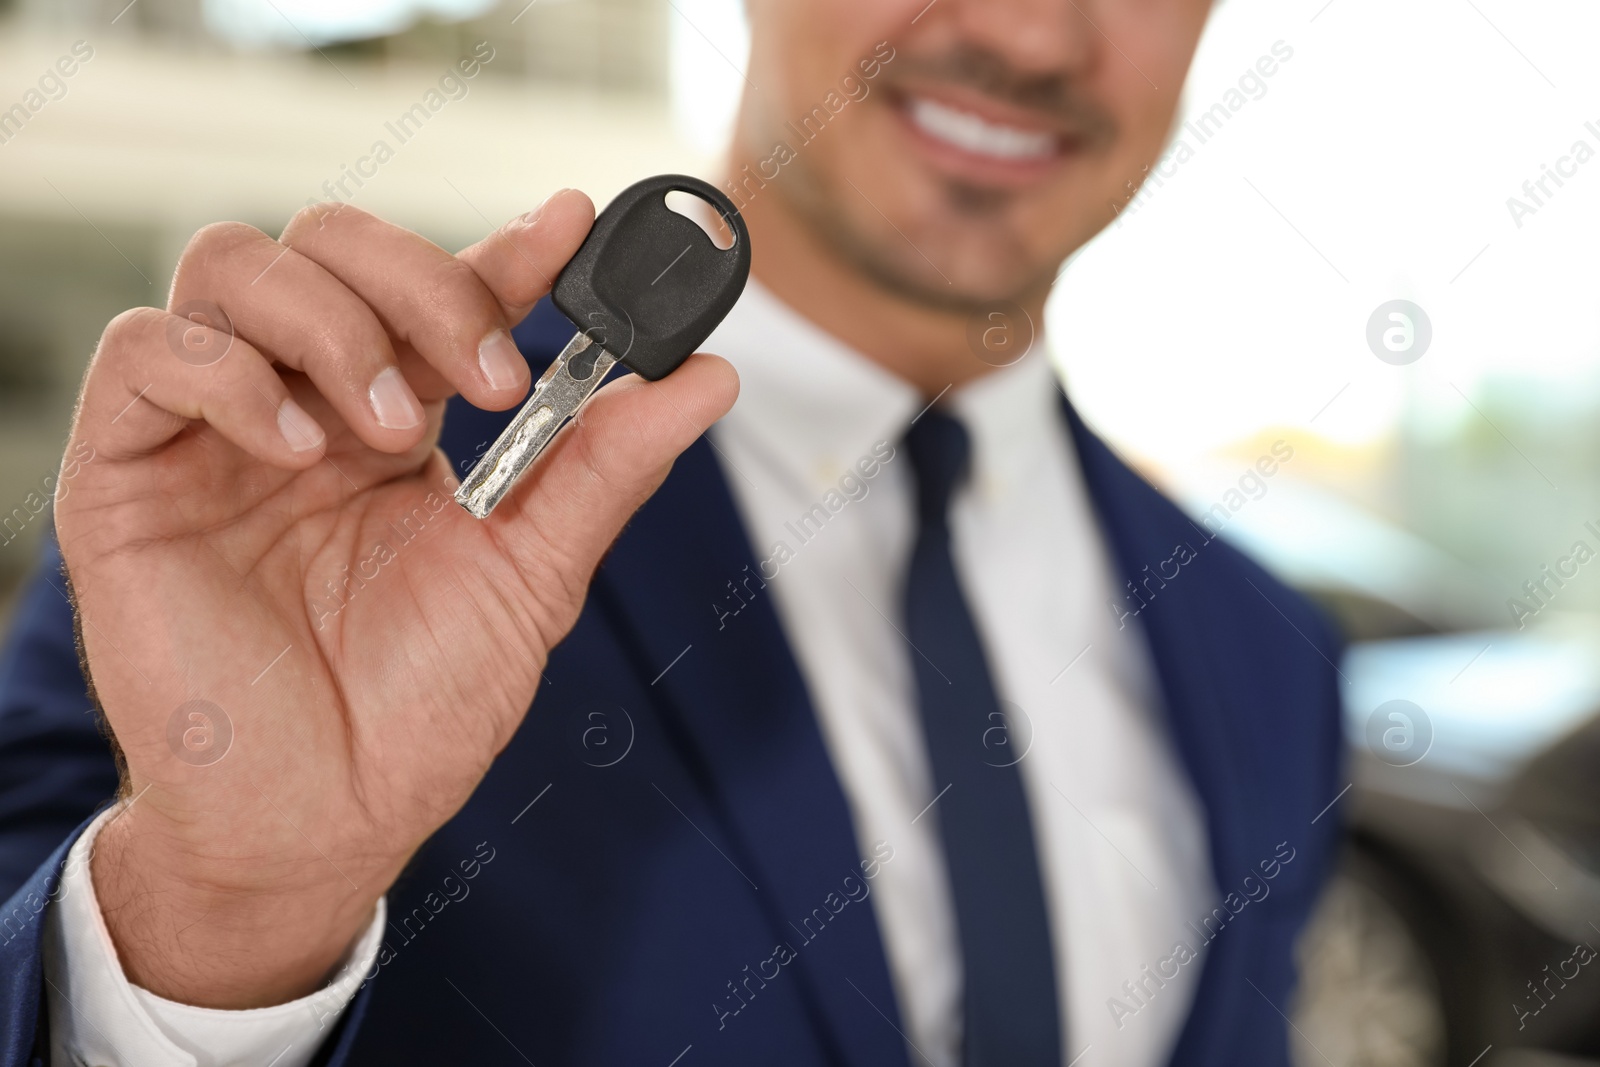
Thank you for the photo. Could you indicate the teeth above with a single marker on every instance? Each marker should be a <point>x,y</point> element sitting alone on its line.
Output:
<point>972,134</point>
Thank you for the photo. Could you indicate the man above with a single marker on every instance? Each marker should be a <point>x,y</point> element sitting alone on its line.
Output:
<point>889,730</point>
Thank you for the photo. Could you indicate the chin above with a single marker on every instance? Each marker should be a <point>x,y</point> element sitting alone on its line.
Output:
<point>967,276</point>
<point>985,214</point>
<point>960,255</point>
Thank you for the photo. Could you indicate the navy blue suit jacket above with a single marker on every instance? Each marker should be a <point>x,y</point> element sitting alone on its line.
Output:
<point>662,862</point>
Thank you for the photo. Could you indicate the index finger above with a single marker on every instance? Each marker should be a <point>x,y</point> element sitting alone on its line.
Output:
<point>519,261</point>
<point>439,305</point>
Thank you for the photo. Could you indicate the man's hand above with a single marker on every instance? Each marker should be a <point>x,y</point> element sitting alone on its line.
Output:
<point>272,533</point>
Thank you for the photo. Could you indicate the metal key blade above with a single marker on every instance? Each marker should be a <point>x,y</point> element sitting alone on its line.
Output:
<point>556,397</point>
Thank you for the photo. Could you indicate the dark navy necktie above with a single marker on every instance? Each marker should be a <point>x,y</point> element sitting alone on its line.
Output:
<point>1011,1009</point>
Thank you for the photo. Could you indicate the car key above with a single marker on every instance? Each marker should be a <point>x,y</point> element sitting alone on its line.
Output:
<point>645,288</point>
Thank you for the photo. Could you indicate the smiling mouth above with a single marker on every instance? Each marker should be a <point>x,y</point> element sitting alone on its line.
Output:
<point>973,134</point>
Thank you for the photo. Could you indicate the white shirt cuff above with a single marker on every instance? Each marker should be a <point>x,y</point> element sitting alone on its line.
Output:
<point>99,1017</point>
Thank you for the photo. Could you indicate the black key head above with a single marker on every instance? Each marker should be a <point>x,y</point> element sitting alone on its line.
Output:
<point>648,284</point>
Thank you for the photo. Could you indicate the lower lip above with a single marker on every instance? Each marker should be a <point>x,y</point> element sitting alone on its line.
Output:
<point>981,169</point>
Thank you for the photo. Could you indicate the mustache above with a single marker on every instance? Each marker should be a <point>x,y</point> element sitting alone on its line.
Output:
<point>1053,96</point>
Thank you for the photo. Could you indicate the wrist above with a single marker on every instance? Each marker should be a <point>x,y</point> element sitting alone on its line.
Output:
<point>213,934</point>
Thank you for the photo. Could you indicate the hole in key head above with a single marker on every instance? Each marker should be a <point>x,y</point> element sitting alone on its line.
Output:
<point>703,215</point>
<point>581,365</point>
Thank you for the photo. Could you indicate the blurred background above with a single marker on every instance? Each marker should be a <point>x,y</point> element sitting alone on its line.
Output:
<point>1374,267</point>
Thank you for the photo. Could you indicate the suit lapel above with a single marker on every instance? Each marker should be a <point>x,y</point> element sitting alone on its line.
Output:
<point>732,696</point>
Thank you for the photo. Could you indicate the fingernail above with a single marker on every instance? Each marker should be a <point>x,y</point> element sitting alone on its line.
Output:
<point>299,428</point>
<point>531,217</point>
<point>503,366</point>
<point>393,402</point>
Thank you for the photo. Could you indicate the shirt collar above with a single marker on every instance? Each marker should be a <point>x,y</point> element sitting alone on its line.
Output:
<point>810,406</point>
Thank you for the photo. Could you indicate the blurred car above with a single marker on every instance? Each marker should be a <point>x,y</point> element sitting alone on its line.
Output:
<point>1461,929</point>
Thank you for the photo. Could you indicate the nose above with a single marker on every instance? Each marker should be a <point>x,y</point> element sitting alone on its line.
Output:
<point>1044,37</point>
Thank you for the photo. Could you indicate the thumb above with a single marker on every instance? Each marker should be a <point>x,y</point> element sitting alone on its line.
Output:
<point>564,514</point>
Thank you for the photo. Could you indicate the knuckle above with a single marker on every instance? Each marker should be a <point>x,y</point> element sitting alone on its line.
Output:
<point>213,243</point>
<point>315,218</point>
<point>128,332</point>
<point>453,286</point>
<point>557,579</point>
<point>572,587</point>
<point>593,461</point>
<point>353,342</point>
<point>605,448</point>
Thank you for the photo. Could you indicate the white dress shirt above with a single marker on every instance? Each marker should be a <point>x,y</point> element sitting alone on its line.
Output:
<point>1121,839</point>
